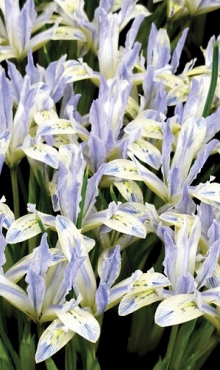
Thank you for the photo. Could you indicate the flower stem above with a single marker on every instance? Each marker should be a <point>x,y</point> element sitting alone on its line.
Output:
<point>15,191</point>
<point>213,82</point>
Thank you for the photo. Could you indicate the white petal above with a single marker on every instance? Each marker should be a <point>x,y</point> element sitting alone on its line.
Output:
<point>134,301</point>
<point>52,340</point>
<point>82,322</point>
<point>43,153</point>
<point>127,224</point>
<point>177,310</point>
<point>122,168</point>
<point>22,229</point>
<point>130,191</point>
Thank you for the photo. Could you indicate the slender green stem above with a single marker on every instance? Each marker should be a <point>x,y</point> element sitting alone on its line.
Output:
<point>213,82</point>
<point>172,341</point>
<point>83,195</point>
<point>22,185</point>
<point>15,191</point>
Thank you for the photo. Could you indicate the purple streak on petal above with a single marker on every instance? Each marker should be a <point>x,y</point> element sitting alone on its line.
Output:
<point>202,157</point>
<point>132,33</point>
<point>69,104</point>
<point>111,263</point>
<point>209,265</point>
<point>178,50</point>
<point>92,190</point>
<point>214,232</point>
<point>54,78</point>
<point>174,181</point>
<point>154,92</point>
<point>5,103</point>
<point>97,151</point>
<point>32,71</point>
<point>169,262</point>
<point>70,177</point>
<point>101,298</point>
<point>206,215</point>
<point>185,204</point>
<point>185,284</point>
<point>36,289</point>
<point>16,81</point>
<point>212,123</point>
<point>151,44</point>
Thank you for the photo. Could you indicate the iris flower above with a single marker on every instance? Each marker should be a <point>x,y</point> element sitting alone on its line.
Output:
<point>18,27</point>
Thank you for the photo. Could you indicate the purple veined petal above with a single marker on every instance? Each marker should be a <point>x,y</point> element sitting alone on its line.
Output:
<point>214,232</point>
<point>185,284</point>
<point>69,236</point>
<point>130,10</point>
<point>120,289</point>
<point>19,269</point>
<point>92,190</point>
<point>132,302</point>
<point>16,296</point>
<point>178,50</point>
<point>22,229</point>
<point>208,193</point>
<point>209,264</point>
<point>69,33</point>
<point>6,105</point>
<point>44,17</point>
<point>43,153</point>
<point>186,205</point>
<point>101,298</point>
<point>122,168</point>
<point>97,152</point>
<point>202,157</point>
<point>8,218</point>
<point>75,245</point>
<point>36,42</point>
<point>109,265</point>
<point>146,152</point>
<point>16,81</point>
<point>149,280</point>
<point>177,310</point>
<point>56,336</point>
<point>149,128</point>
<point>45,115</point>
<point>127,224</point>
<point>81,322</point>
<point>36,289</point>
<point>55,127</point>
<point>130,191</point>
<point>177,219</point>
<point>78,71</point>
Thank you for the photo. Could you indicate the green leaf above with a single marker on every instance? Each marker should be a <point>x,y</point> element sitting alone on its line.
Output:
<point>50,365</point>
<point>213,82</point>
<point>5,361</point>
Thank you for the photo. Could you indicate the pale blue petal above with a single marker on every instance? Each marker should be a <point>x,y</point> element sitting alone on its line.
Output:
<point>101,298</point>
<point>109,265</point>
<point>177,310</point>
<point>82,322</point>
<point>185,284</point>
<point>56,336</point>
<point>178,50</point>
<point>209,265</point>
